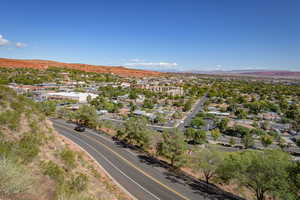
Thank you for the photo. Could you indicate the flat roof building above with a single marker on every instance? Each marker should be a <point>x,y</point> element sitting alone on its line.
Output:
<point>78,96</point>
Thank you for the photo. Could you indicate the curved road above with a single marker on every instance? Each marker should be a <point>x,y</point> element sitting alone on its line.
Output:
<point>143,177</point>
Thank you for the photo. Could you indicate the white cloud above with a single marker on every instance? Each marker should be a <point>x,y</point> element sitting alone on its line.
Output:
<point>218,67</point>
<point>20,45</point>
<point>3,41</point>
<point>136,60</point>
<point>152,64</point>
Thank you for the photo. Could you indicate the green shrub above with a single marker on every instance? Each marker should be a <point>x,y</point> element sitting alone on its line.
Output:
<point>28,146</point>
<point>79,183</point>
<point>54,171</point>
<point>10,118</point>
<point>72,187</point>
<point>18,105</point>
<point>5,148</point>
<point>68,157</point>
<point>14,178</point>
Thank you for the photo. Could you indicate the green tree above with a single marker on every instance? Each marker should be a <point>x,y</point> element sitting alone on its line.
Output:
<point>173,148</point>
<point>266,140</point>
<point>200,137</point>
<point>258,131</point>
<point>222,124</point>
<point>159,118</point>
<point>241,130</point>
<point>148,103</point>
<point>189,133</point>
<point>132,95</point>
<point>135,132</point>
<point>232,141</point>
<point>207,161</point>
<point>197,136</point>
<point>216,134</point>
<point>48,107</point>
<point>197,122</point>
<point>262,172</point>
<point>187,106</point>
<point>241,113</point>
<point>86,115</point>
<point>282,143</point>
<point>247,140</point>
<point>177,115</point>
<point>89,98</point>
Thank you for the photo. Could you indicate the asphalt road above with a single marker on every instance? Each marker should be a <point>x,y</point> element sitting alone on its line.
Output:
<point>142,176</point>
<point>193,113</point>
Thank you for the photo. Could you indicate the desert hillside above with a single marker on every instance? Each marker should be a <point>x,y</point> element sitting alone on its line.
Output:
<point>38,164</point>
<point>43,64</point>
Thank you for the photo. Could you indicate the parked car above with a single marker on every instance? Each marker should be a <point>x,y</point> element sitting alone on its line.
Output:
<point>79,128</point>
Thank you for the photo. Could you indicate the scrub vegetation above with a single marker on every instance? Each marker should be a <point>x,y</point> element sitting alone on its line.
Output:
<point>33,156</point>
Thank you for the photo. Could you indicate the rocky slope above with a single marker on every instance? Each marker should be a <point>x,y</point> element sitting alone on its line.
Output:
<point>43,64</point>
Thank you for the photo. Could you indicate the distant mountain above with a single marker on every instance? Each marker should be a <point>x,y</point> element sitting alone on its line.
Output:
<point>274,73</point>
<point>43,64</point>
<point>268,73</point>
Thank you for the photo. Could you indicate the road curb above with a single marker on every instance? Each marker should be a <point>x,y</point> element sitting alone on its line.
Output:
<point>102,168</point>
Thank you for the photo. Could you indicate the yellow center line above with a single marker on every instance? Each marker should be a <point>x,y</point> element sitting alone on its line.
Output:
<point>132,165</point>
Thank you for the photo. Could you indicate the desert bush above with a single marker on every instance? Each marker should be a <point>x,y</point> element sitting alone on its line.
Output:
<point>79,183</point>
<point>10,118</point>
<point>14,178</point>
<point>68,157</point>
<point>54,171</point>
<point>5,148</point>
<point>28,146</point>
<point>72,188</point>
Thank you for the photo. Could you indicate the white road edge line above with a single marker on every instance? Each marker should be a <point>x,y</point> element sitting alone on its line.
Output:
<point>103,137</point>
<point>112,166</point>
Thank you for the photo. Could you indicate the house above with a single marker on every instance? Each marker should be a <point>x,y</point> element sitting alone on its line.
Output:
<point>125,85</point>
<point>144,113</point>
<point>170,90</point>
<point>102,112</point>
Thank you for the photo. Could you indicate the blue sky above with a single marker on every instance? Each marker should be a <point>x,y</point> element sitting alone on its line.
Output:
<point>155,34</point>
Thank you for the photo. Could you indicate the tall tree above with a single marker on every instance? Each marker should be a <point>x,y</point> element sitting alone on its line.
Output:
<point>200,137</point>
<point>173,148</point>
<point>86,115</point>
<point>135,132</point>
<point>197,122</point>
<point>262,172</point>
<point>207,161</point>
<point>48,107</point>
<point>189,133</point>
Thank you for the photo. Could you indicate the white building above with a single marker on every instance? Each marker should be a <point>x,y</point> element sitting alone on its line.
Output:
<point>78,96</point>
